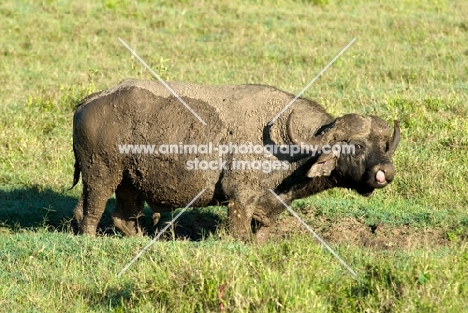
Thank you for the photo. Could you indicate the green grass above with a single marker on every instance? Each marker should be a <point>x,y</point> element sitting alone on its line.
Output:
<point>81,275</point>
<point>409,62</point>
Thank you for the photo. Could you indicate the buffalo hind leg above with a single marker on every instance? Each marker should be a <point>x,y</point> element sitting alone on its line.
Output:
<point>128,209</point>
<point>78,213</point>
<point>94,201</point>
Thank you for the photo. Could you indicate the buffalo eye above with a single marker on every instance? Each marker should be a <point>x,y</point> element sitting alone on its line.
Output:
<point>358,149</point>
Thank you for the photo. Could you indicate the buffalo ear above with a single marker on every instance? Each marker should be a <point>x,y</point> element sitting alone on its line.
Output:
<point>324,165</point>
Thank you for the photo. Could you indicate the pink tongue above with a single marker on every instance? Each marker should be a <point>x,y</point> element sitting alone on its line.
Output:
<point>380,177</point>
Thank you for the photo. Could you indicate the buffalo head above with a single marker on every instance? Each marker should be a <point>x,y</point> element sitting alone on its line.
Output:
<point>363,161</point>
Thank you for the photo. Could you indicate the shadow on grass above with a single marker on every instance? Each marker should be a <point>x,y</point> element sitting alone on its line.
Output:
<point>194,224</point>
<point>33,207</point>
<point>29,208</point>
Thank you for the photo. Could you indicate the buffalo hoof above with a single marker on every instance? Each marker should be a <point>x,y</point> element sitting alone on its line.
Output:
<point>128,228</point>
<point>262,235</point>
<point>88,230</point>
<point>156,217</point>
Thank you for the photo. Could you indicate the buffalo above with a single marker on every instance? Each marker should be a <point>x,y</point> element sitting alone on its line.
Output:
<point>237,157</point>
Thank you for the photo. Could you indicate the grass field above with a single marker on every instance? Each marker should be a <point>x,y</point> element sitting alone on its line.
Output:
<point>408,243</point>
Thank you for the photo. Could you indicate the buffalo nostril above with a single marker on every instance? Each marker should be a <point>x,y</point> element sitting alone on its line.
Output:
<point>384,173</point>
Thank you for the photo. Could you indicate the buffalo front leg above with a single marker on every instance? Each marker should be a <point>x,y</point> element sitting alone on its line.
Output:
<point>263,228</point>
<point>239,221</point>
<point>265,214</point>
<point>128,209</point>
